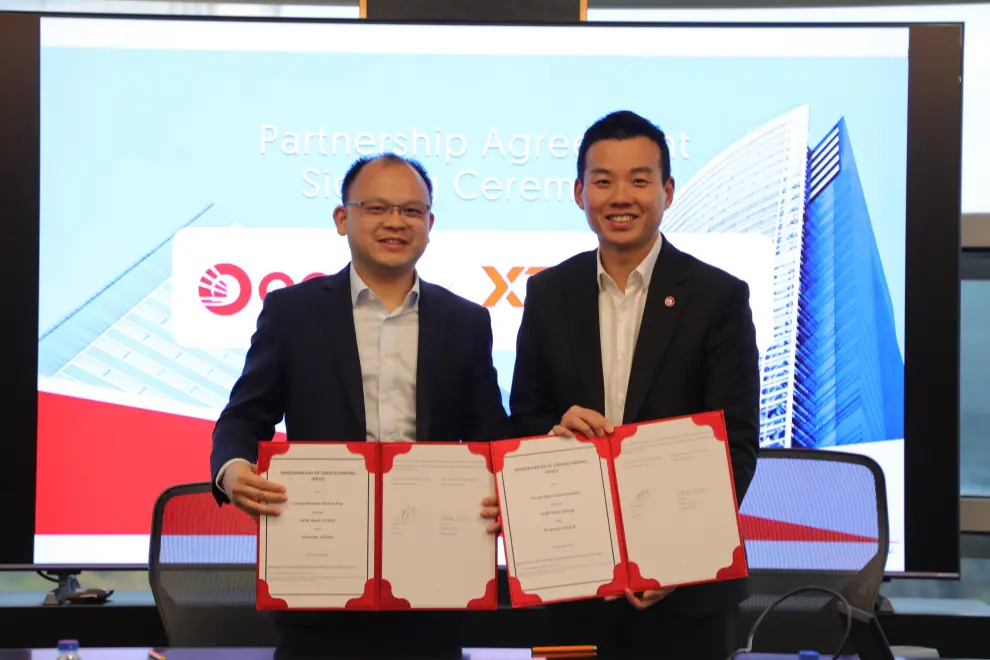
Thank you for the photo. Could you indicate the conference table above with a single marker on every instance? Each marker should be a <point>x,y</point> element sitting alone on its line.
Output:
<point>266,654</point>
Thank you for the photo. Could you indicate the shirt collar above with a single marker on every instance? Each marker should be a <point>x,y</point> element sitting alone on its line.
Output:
<point>644,270</point>
<point>359,289</point>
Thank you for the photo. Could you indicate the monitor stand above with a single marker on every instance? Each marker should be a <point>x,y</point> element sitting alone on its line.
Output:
<point>67,585</point>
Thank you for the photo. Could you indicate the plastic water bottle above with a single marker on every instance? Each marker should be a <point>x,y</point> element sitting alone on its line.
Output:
<point>68,649</point>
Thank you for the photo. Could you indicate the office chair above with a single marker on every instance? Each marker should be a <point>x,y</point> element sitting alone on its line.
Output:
<point>812,518</point>
<point>202,570</point>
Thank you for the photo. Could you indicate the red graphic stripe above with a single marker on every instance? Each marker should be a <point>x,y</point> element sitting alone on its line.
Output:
<point>765,529</point>
<point>199,515</point>
<point>101,466</point>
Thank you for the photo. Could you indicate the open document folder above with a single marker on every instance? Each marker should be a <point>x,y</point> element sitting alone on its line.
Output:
<point>385,526</point>
<point>377,526</point>
<point>650,506</point>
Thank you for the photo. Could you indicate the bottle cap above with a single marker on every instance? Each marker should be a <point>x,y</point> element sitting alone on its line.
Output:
<point>68,645</point>
<point>808,655</point>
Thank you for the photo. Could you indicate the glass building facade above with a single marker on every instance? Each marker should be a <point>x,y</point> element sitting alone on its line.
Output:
<point>851,372</point>
<point>833,373</point>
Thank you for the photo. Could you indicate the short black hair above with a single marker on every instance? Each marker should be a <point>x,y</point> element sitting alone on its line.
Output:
<point>624,125</point>
<point>391,158</point>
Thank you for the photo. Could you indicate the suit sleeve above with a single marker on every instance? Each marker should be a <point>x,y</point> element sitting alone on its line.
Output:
<point>531,400</point>
<point>487,419</point>
<point>256,402</point>
<point>732,382</point>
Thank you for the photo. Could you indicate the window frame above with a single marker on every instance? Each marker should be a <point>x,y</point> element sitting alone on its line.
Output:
<point>974,511</point>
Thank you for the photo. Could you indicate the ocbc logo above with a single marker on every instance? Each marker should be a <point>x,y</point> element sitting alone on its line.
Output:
<point>503,284</point>
<point>217,297</point>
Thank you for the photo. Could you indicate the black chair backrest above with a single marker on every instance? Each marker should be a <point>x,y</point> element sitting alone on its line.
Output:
<point>202,570</point>
<point>816,517</point>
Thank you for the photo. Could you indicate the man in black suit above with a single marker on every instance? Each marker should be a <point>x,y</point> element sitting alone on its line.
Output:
<point>372,353</point>
<point>637,331</point>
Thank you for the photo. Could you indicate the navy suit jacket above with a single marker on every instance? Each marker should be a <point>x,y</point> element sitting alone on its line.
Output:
<point>303,364</point>
<point>697,355</point>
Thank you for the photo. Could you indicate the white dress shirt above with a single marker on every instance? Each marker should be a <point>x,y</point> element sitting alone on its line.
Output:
<point>619,316</point>
<point>388,347</point>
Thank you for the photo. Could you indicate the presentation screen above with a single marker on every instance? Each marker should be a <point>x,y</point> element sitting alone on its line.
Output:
<point>188,168</point>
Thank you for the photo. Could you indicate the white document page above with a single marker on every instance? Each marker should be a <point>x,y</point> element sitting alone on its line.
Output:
<point>557,518</point>
<point>320,551</point>
<point>675,493</point>
<point>435,551</point>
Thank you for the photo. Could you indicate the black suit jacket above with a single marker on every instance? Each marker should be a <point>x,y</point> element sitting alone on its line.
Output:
<point>697,355</point>
<point>303,364</point>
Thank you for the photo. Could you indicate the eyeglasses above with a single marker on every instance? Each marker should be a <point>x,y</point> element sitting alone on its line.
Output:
<point>381,208</point>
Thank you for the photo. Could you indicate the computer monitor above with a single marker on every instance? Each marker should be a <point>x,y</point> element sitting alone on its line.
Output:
<point>163,174</point>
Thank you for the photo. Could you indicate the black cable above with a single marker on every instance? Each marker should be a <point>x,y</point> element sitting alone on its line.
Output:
<point>759,619</point>
<point>44,575</point>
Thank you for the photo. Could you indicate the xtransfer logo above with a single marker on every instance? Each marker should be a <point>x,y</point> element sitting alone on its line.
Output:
<point>216,283</point>
<point>503,284</point>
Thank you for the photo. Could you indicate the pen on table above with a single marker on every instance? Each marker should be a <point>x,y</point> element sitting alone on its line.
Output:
<point>557,650</point>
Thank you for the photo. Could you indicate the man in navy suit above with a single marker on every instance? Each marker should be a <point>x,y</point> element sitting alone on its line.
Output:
<point>372,353</point>
<point>632,332</point>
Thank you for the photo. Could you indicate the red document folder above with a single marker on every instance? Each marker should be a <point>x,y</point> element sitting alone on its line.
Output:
<point>393,471</point>
<point>686,553</point>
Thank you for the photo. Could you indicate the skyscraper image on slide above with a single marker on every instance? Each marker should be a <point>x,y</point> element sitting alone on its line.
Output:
<point>833,374</point>
<point>120,341</point>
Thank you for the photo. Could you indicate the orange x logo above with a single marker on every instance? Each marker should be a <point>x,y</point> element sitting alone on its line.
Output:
<point>503,285</point>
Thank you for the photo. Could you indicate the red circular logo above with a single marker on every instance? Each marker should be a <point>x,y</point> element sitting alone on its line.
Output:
<point>225,289</point>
